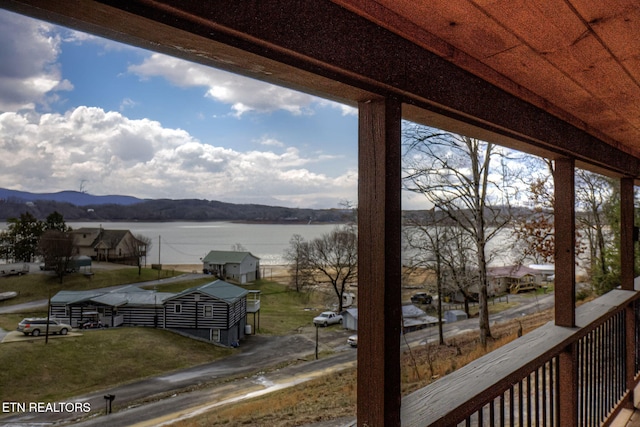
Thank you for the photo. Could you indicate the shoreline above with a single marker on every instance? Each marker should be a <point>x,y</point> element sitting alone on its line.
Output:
<point>267,271</point>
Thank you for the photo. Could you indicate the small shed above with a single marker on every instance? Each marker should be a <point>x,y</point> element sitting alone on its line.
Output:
<point>451,316</point>
<point>350,319</point>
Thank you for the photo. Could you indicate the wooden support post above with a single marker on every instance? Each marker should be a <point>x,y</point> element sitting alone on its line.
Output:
<point>627,275</point>
<point>565,300</point>
<point>626,234</point>
<point>379,263</point>
<point>565,237</point>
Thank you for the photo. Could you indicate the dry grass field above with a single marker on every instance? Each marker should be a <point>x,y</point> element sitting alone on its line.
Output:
<point>334,397</point>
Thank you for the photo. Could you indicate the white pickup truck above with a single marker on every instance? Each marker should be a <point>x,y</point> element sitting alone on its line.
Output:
<point>327,318</point>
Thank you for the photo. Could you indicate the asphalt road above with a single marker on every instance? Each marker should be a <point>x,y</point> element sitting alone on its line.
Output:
<point>164,399</point>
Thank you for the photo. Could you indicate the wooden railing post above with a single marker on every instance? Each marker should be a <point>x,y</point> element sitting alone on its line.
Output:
<point>379,263</point>
<point>565,295</point>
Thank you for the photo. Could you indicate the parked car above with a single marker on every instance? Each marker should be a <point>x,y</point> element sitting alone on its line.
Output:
<point>422,298</point>
<point>353,340</point>
<point>327,318</point>
<point>35,327</point>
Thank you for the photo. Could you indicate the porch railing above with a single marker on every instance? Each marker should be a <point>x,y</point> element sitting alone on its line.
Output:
<point>521,383</point>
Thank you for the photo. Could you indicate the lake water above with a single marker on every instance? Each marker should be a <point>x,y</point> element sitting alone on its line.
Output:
<point>187,242</point>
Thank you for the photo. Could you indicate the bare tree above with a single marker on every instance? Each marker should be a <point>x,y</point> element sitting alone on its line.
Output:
<point>443,250</point>
<point>137,250</point>
<point>468,180</point>
<point>297,255</point>
<point>594,195</point>
<point>334,257</point>
<point>57,249</point>
<point>238,247</point>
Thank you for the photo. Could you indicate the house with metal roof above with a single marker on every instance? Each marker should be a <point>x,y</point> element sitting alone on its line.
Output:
<point>413,319</point>
<point>126,306</point>
<point>216,311</point>
<point>242,267</point>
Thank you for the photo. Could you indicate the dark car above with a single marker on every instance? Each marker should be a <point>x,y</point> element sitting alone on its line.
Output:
<point>422,298</point>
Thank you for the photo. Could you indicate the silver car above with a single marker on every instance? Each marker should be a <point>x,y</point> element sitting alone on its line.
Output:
<point>353,340</point>
<point>35,327</point>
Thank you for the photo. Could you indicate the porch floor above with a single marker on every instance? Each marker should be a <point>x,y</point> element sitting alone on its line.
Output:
<point>627,418</point>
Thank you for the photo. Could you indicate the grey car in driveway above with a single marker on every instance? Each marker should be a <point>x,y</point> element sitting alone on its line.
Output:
<point>36,327</point>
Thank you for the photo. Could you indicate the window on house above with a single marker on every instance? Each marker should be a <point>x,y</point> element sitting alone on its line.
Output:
<point>215,335</point>
<point>177,308</point>
<point>208,311</point>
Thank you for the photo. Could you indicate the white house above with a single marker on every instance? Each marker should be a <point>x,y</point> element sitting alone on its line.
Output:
<point>242,267</point>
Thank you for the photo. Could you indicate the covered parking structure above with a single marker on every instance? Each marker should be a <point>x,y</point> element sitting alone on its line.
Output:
<point>557,78</point>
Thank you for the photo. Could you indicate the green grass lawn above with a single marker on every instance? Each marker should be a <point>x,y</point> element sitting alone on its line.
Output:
<point>282,310</point>
<point>65,367</point>
<point>35,286</point>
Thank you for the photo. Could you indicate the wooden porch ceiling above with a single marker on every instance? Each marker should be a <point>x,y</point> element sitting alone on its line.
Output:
<point>552,77</point>
<point>577,59</point>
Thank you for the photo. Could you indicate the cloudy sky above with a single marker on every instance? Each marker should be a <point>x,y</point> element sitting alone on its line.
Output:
<point>83,113</point>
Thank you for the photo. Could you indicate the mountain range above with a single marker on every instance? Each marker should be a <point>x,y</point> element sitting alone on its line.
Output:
<point>79,206</point>
<point>73,197</point>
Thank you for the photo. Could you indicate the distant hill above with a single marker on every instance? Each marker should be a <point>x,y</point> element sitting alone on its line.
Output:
<point>76,206</point>
<point>73,197</point>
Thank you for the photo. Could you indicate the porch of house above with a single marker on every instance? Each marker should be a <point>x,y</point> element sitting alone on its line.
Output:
<point>628,418</point>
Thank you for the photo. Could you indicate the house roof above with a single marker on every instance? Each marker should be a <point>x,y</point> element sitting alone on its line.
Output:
<point>219,289</point>
<point>128,295</point>
<point>353,312</point>
<point>411,311</point>
<point>74,297</point>
<point>99,237</point>
<point>226,257</point>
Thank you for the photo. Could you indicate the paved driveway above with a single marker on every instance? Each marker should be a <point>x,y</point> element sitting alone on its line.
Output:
<point>15,336</point>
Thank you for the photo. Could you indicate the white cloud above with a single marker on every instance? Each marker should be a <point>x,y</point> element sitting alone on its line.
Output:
<point>127,103</point>
<point>242,94</point>
<point>118,155</point>
<point>31,76</point>
<point>271,142</point>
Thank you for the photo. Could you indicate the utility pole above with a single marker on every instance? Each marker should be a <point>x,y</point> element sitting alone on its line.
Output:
<point>159,264</point>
